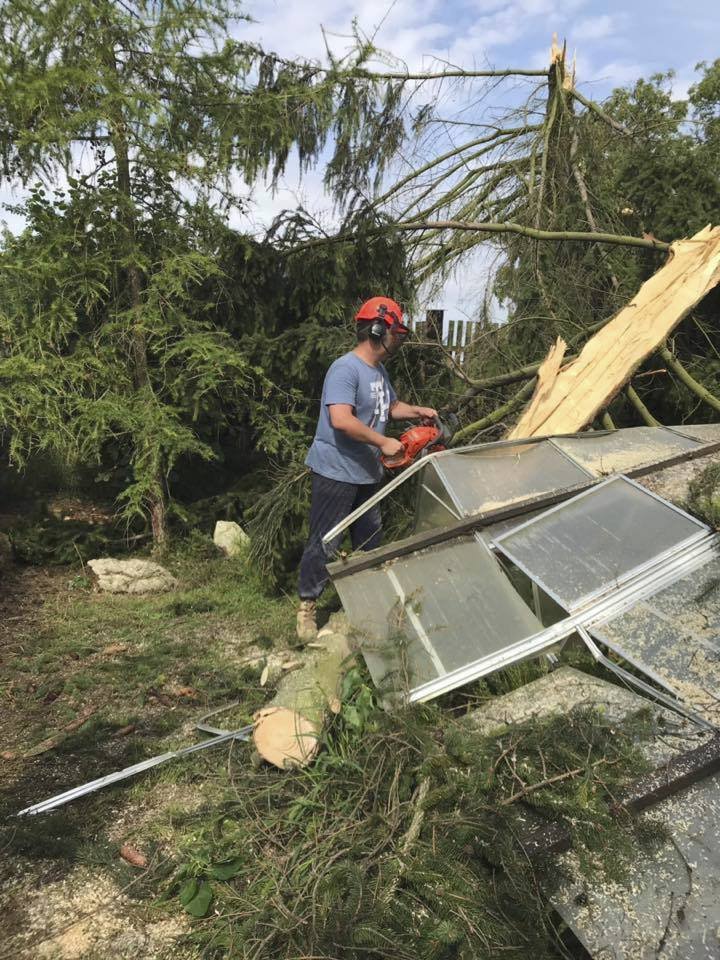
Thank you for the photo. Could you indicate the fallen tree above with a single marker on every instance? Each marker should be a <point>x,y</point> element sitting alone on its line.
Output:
<point>288,730</point>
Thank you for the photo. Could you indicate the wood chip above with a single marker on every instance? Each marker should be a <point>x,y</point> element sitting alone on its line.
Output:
<point>264,675</point>
<point>57,738</point>
<point>292,665</point>
<point>124,731</point>
<point>114,649</point>
<point>133,856</point>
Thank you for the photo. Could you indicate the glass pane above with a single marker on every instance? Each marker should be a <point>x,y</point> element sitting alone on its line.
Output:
<point>705,432</point>
<point>424,615</point>
<point>434,506</point>
<point>674,636</point>
<point>623,449</point>
<point>489,479</point>
<point>596,539</point>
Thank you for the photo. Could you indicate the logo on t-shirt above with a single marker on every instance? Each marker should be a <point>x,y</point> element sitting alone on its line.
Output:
<point>380,397</point>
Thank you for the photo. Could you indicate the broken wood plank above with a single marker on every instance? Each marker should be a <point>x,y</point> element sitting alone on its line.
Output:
<point>664,781</point>
<point>577,392</point>
<point>675,775</point>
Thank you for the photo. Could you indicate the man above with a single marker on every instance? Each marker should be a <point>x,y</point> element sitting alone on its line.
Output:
<point>357,401</point>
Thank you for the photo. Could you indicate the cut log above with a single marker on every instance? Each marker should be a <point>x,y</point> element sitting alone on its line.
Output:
<point>288,730</point>
<point>572,398</point>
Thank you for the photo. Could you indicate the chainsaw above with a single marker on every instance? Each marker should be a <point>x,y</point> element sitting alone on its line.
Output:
<point>429,436</point>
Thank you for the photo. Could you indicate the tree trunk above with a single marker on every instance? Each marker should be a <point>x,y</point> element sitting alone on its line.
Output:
<point>288,730</point>
<point>141,379</point>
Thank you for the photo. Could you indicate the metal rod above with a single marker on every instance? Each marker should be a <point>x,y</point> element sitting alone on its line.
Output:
<point>73,794</point>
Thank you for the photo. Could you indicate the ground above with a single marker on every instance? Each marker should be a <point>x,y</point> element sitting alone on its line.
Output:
<point>138,672</point>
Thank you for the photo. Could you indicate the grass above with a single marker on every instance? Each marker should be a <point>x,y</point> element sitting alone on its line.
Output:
<point>400,840</point>
<point>148,667</point>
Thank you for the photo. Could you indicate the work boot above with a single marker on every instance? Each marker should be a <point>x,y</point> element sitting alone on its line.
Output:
<point>306,621</point>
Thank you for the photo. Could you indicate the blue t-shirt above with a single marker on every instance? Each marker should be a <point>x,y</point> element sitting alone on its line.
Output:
<point>368,390</point>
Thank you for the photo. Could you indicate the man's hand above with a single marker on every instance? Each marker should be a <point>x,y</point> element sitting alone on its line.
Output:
<point>391,447</point>
<point>425,413</point>
<point>407,411</point>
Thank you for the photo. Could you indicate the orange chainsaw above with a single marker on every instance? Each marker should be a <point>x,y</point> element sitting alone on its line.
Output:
<point>429,436</point>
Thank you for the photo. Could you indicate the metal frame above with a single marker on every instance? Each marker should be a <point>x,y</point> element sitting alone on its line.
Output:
<point>654,562</point>
<point>623,598</point>
<point>243,733</point>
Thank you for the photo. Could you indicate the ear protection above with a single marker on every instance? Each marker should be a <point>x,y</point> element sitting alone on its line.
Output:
<point>379,326</point>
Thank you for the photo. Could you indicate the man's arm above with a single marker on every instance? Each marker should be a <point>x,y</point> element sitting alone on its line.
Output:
<point>342,418</point>
<point>406,411</point>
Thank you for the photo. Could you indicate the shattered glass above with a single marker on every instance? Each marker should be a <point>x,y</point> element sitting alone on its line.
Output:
<point>674,637</point>
<point>421,616</point>
<point>597,539</point>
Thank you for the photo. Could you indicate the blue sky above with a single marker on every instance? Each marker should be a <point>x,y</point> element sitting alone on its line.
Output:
<point>615,43</point>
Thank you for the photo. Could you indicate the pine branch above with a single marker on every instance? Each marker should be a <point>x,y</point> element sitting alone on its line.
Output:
<point>647,418</point>
<point>697,388</point>
<point>598,111</point>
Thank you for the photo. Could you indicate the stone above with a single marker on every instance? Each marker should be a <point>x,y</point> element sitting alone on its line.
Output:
<point>131,576</point>
<point>230,537</point>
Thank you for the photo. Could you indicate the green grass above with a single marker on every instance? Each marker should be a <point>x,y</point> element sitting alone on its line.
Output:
<point>156,663</point>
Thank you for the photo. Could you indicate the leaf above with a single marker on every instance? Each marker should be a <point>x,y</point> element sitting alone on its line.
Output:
<point>188,891</point>
<point>226,869</point>
<point>352,717</point>
<point>200,903</point>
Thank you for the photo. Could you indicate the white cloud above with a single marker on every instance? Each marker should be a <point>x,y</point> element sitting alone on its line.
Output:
<point>594,28</point>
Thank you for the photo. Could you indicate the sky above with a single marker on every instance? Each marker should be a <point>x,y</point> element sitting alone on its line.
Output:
<point>615,43</point>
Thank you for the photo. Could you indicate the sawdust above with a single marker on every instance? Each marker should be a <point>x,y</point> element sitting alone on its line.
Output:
<point>673,483</point>
<point>86,916</point>
<point>133,818</point>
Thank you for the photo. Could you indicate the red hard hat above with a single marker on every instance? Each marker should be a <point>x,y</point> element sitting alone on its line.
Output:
<point>381,308</point>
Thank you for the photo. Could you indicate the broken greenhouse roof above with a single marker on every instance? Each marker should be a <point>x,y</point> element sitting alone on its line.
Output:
<point>439,610</point>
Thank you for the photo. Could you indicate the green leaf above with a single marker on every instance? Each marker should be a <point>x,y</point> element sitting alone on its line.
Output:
<point>200,903</point>
<point>226,869</point>
<point>188,891</point>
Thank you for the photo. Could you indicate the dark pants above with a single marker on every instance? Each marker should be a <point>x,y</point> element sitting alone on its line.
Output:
<point>332,501</point>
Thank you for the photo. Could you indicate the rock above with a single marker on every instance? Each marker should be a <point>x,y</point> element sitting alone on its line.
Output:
<point>230,537</point>
<point>6,550</point>
<point>131,576</point>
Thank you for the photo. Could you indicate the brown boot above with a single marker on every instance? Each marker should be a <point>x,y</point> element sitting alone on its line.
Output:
<point>306,621</point>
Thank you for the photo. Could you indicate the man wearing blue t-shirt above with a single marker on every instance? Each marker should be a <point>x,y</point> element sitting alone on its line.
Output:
<point>357,402</point>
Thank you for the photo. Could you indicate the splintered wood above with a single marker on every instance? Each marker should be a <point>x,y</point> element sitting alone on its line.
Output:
<point>568,398</point>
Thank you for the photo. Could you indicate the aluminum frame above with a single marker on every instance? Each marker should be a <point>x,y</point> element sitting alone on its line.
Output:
<point>423,461</point>
<point>673,702</point>
<point>657,560</point>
